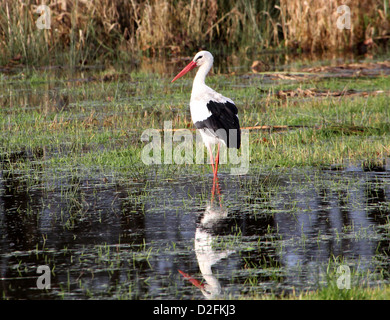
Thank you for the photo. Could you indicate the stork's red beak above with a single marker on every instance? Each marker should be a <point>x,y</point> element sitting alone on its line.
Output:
<point>189,67</point>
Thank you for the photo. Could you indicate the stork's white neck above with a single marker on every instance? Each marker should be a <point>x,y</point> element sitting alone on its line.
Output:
<point>200,77</point>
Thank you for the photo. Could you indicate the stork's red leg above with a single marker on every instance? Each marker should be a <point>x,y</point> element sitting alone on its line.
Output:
<point>213,190</point>
<point>217,161</point>
<point>211,157</point>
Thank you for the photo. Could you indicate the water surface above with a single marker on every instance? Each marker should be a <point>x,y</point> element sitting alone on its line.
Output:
<point>264,233</point>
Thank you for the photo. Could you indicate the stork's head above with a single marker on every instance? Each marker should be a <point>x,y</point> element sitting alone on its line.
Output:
<point>201,58</point>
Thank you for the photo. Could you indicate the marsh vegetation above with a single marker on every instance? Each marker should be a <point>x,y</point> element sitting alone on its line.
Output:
<point>84,31</point>
<point>76,196</point>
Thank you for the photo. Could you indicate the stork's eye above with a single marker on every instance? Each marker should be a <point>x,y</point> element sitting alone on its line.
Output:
<point>200,57</point>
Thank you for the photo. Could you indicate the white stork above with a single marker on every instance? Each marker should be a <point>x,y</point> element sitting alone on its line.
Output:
<point>214,115</point>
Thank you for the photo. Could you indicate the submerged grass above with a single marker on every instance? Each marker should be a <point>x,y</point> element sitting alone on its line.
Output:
<point>332,292</point>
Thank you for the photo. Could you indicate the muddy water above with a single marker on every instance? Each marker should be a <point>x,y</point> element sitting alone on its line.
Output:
<point>263,233</point>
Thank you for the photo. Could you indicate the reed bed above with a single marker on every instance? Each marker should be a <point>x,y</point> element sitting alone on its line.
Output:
<point>312,24</point>
<point>88,30</point>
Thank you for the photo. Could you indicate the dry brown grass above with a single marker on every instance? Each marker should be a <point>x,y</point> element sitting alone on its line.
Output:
<point>312,24</point>
<point>103,26</point>
<point>166,24</point>
<point>86,29</point>
<point>89,27</point>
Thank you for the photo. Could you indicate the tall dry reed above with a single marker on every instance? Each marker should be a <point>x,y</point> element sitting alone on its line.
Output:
<point>87,30</point>
<point>94,28</point>
<point>312,24</point>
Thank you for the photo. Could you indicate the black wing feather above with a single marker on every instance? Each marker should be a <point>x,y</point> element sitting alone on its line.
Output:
<point>223,116</point>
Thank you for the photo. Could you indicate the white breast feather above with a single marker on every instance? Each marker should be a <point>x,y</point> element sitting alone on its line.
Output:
<point>199,100</point>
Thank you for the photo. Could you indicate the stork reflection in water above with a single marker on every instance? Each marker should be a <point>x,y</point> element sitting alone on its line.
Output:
<point>205,249</point>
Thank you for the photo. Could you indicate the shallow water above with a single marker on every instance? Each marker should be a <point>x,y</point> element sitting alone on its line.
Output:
<point>264,233</point>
